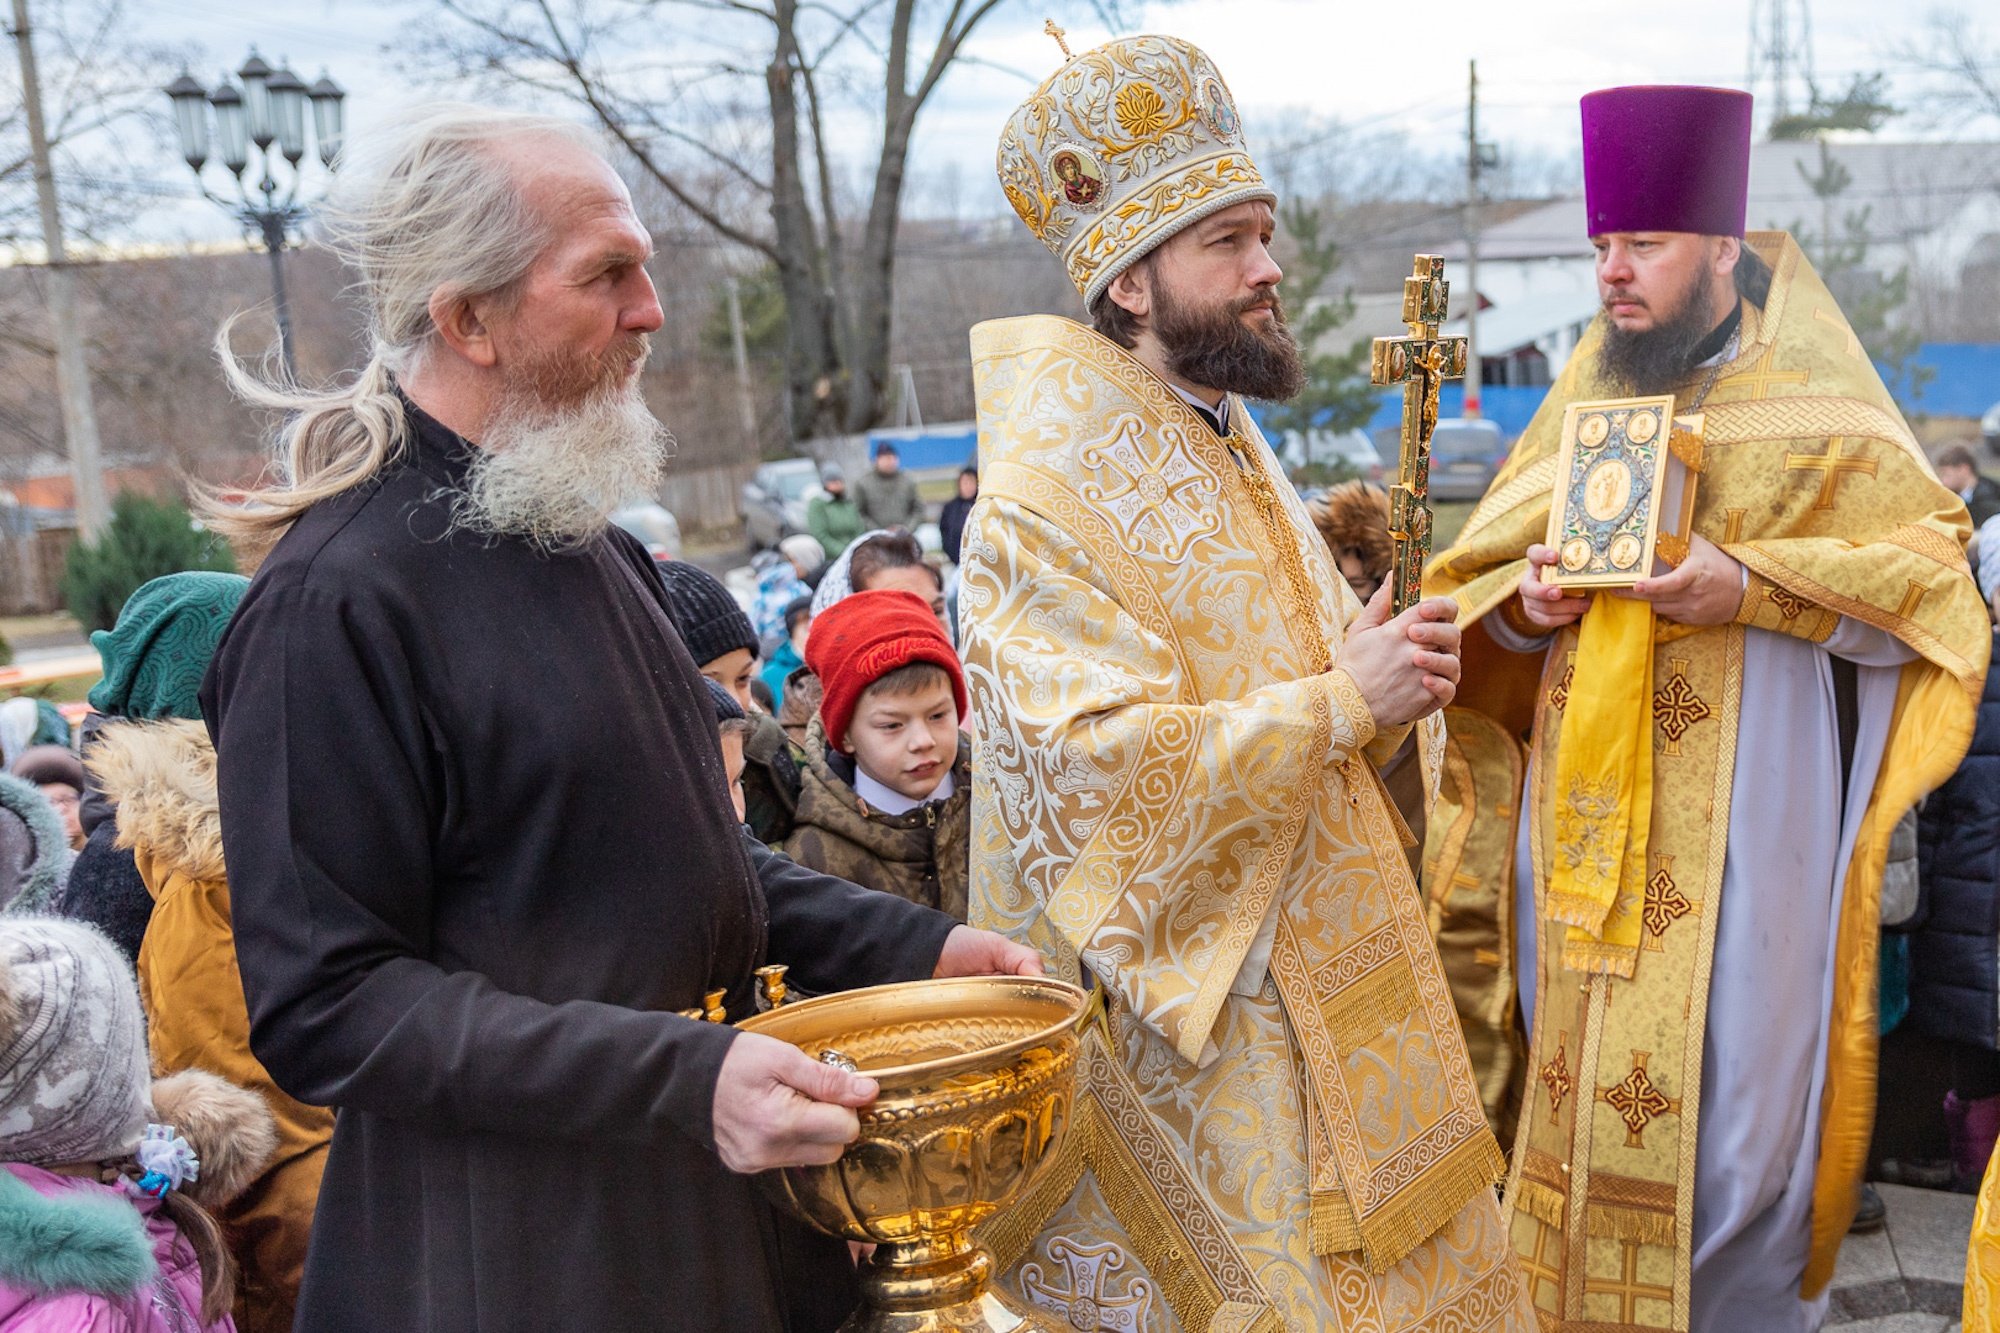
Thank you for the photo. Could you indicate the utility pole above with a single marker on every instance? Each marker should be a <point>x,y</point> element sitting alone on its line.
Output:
<point>1781,50</point>
<point>746,403</point>
<point>1472,164</point>
<point>72,370</point>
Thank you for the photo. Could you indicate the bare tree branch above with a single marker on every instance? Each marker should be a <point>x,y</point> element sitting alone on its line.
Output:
<point>808,66</point>
<point>1964,71</point>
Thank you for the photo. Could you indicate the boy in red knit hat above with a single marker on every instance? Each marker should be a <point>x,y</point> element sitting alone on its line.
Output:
<point>887,789</point>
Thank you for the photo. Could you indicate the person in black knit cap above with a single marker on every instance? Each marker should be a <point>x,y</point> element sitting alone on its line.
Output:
<point>719,638</point>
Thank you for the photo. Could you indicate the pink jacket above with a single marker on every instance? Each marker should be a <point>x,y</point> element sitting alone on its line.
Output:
<point>80,1257</point>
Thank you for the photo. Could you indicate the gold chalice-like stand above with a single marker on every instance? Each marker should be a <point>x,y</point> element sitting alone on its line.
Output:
<point>977,1076</point>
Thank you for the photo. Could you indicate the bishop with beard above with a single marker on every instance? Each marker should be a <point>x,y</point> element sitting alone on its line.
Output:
<point>1717,757</point>
<point>1183,712</point>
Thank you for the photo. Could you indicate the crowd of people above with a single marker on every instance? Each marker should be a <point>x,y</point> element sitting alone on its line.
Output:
<point>387,909</point>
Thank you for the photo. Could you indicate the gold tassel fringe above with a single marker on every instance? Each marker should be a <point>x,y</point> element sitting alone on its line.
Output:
<point>1642,1225</point>
<point>1330,1225</point>
<point>1370,1007</point>
<point>1422,1209</point>
<point>1596,956</point>
<point>1540,1202</point>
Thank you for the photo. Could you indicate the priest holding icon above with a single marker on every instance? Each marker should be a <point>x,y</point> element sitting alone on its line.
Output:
<point>1719,750</point>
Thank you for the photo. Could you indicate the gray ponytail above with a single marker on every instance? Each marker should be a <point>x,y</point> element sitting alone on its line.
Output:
<point>435,212</point>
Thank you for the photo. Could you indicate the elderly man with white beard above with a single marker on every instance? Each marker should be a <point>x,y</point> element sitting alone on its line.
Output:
<point>480,846</point>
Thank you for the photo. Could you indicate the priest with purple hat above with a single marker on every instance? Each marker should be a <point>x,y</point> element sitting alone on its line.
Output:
<point>1719,752</point>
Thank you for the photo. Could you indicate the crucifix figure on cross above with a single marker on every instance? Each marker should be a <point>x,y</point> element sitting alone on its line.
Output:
<point>1421,362</point>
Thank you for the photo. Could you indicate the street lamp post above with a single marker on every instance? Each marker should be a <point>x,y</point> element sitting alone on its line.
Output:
<point>269,114</point>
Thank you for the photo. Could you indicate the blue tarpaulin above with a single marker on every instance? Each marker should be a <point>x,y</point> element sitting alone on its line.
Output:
<point>951,445</point>
<point>1965,383</point>
<point>1511,406</point>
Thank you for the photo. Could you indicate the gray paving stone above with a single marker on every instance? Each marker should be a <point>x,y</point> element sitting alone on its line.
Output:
<point>1928,1230</point>
<point>1891,1296</point>
<point>1898,1323</point>
<point>1865,1259</point>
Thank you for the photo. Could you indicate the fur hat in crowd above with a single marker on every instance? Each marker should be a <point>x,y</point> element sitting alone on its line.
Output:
<point>35,858</point>
<point>1355,516</point>
<point>862,638</point>
<point>44,764</point>
<point>710,622</point>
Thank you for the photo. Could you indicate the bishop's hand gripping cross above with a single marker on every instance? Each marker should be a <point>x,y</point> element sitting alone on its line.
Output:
<point>1421,362</point>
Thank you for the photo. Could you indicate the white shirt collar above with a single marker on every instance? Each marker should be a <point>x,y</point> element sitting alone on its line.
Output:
<point>1220,411</point>
<point>891,802</point>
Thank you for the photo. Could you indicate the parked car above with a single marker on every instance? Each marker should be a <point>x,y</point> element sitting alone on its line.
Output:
<point>1352,447</point>
<point>1465,454</point>
<point>774,500</point>
<point>653,525</point>
<point>1989,428</point>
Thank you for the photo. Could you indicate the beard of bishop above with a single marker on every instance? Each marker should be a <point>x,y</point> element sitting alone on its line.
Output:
<point>1639,363</point>
<point>1212,347</point>
<point>571,441</point>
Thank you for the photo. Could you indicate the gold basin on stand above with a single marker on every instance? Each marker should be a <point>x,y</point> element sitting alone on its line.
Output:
<point>977,1078</point>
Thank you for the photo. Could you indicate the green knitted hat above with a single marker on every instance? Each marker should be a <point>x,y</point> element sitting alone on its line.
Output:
<point>157,653</point>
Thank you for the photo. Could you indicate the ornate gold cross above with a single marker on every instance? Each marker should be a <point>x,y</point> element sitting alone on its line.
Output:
<point>1627,1287</point>
<point>1830,464</point>
<point>1421,362</point>
<point>1760,376</point>
<point>1052,30</point>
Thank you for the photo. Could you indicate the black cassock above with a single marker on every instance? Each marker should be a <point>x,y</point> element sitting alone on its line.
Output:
<point>480,850</point>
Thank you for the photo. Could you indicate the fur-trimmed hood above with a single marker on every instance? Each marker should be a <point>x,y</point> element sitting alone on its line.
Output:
<point>48,866</point>
<point>161,777</point>
<point>87,1238</point>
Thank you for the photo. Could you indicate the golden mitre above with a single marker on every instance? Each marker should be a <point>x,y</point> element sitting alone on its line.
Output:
<point>1121,148</point>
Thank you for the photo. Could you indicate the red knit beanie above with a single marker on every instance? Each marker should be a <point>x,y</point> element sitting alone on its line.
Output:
<point>862,638</point>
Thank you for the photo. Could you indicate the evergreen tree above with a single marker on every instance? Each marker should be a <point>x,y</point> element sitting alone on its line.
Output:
<point>1338,396</point>
<point>1838,245</point>
<point>145,539</point>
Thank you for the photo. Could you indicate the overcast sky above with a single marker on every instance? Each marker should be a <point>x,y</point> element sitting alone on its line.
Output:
<point>1380,66</point>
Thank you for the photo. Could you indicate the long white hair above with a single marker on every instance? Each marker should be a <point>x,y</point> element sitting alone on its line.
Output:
<point>433,210</point>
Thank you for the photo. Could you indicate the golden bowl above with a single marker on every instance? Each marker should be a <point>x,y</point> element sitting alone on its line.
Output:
<point>977,1077</point>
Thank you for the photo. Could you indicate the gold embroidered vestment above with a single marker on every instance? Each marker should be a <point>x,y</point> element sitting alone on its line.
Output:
<point>1173,775</point>
<point>1812,481</point>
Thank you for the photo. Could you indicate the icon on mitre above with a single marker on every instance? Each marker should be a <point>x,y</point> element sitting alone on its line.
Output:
<point>1624,502</point>
<point>1078,176</point>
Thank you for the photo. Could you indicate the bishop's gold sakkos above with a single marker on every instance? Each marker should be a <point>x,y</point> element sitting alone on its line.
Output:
<point>1624,500</point>
<point>1421,362</point>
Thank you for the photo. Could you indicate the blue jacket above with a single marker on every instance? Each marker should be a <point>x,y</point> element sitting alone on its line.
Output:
<point>783,663</point>
<point>1955,952</point>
